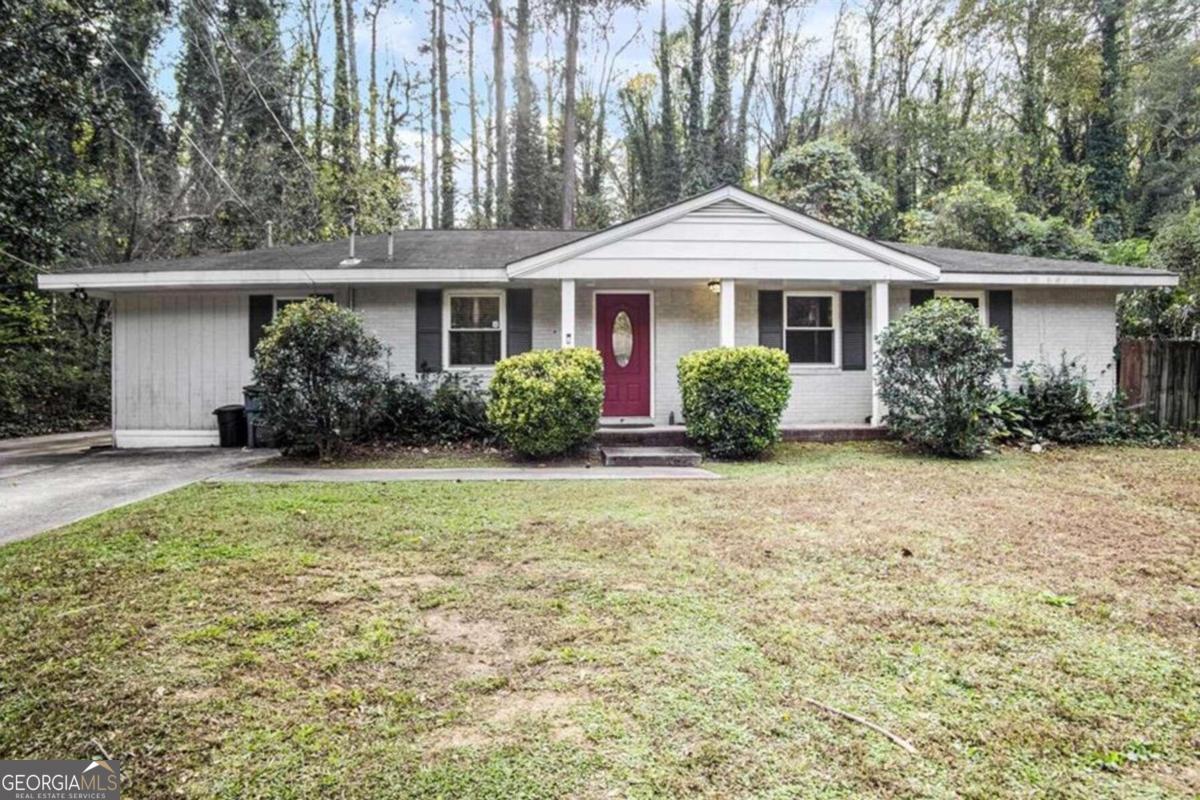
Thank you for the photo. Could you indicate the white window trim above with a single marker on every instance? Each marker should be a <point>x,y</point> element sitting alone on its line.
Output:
<point>974,294</point>
<point>836,312</point>
<point>446,295</point>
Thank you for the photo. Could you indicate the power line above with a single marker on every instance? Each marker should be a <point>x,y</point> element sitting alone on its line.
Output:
<point>179,128</point>
<point>20,260</point>
<point>237,59</point>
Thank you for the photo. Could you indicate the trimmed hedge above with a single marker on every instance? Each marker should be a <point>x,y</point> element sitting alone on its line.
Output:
<point>733,398</point>
<point>547,402</point>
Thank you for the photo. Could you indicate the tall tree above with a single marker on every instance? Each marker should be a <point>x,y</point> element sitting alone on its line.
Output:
<point>569,123</point>
<point>314,22</point>
<point>668,181</point>
<point>343,103</point>
<point>528,154</point>
<point>473,110</point>
<point>352,77</point>
<point>696,167</point>
<point>500,113</point>
<point>1107,144</point>
<point>435,216</point>
<point>447,155</point>
<point>722,148</point>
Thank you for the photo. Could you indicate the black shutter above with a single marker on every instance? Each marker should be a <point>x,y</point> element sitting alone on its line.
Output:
<point>770,319</point>
<point>429,330</point>
<point>854,330</point>
<point>918,296</point>
<point>1000,315</point>
<point>262,307</point>
<point>518,305</point>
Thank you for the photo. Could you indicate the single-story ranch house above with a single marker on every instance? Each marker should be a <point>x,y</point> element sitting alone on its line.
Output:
<point>725,268</point>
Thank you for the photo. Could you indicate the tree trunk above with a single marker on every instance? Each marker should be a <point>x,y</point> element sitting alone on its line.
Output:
<point>694,168</point>
<point>352,60</point>
<point>434,191</point>
<point>472,105</point>
<point>500,125</point>
<point>373,87</point>
<point>447,154</point>
<point>318,78</point>
<point>569,117</point>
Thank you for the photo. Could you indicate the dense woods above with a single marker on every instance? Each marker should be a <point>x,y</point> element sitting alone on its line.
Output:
<point>1067,129</point>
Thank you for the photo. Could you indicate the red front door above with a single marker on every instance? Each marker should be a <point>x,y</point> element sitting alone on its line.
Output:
<point>623,339</point>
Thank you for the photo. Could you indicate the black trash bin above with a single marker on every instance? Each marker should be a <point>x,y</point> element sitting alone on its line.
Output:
<point>231,423</point>
<point>257,434</point>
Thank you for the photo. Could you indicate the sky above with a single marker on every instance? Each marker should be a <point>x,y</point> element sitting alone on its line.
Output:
<point>403,27</point>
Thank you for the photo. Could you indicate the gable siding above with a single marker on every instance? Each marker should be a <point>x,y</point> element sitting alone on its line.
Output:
<point>724,232</point>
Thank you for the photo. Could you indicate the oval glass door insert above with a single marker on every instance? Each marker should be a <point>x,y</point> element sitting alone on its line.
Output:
<point>622,339</point>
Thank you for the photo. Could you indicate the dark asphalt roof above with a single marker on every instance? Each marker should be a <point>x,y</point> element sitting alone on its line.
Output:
<point>457,249</point>
<point>951,260</point>
<point>495,249</point>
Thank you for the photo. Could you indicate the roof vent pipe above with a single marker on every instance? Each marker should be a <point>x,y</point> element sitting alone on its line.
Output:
<point>352,237</point>
<point>270,233</point>
<point>391,244</point>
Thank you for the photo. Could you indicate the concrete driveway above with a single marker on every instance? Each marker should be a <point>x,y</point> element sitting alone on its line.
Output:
<point>50,481</point>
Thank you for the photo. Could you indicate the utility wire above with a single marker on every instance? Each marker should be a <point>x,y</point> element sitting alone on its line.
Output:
<point>237,59</point>
<point>20,260</point>
<point>179,128</point>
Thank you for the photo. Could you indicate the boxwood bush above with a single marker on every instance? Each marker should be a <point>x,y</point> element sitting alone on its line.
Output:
<point>547,402</point>
<point>733,398</point>
<point>321,375</point>
<point>938,369</point>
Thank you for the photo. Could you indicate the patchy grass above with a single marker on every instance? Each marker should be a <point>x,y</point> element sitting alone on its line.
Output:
<point>1029,623</point>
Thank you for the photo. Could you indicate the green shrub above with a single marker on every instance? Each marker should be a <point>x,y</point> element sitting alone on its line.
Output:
<point>321,375</point>
<point>436,408</point>
<point>733,398</point>
<point>547,402</point>
<point>1054,404</point>
<point>937,370</point>
<point>1058,399</point>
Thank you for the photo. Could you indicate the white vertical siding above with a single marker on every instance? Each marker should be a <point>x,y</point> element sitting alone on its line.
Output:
<point>176,357</point>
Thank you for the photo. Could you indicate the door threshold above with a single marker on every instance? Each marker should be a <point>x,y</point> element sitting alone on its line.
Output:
<point>626,422</point>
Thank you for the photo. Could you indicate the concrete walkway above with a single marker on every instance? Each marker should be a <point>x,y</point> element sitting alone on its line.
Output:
<point>338,475</point>
<point>48,483</point>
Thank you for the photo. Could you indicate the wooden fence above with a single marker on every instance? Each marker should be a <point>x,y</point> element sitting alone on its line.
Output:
<point>1161,379</point>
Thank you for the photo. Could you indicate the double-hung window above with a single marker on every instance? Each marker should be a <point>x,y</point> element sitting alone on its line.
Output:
<point>474,327</point>
<point>810,327</point>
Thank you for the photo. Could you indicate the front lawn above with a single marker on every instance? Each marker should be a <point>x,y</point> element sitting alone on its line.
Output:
<point>1031,624</point>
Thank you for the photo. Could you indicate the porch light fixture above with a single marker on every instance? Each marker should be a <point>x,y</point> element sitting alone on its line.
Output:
<point>714,287</point>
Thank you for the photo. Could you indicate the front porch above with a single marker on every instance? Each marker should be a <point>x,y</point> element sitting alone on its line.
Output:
<point>834,395</point>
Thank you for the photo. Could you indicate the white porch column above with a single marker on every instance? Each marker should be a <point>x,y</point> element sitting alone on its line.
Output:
<point>567,326</point>
<point>879,321</point>
<point>728,313</point>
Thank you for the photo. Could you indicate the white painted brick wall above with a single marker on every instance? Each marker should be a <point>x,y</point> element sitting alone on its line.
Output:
<point>390,312</point>
<point>1048,321</point>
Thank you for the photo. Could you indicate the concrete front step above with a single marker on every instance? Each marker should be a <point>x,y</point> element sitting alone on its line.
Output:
<point>649,456</point>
